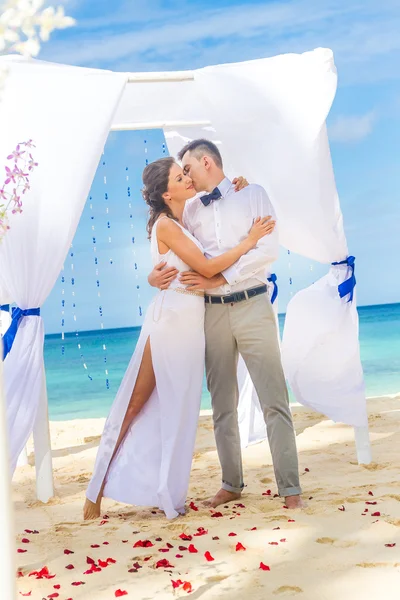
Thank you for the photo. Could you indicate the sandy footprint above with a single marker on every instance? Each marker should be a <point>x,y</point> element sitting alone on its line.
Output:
<point>288,590</point>
<point>336,543</point>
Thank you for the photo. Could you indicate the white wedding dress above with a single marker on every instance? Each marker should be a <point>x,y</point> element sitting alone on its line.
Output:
<point>152,465</point>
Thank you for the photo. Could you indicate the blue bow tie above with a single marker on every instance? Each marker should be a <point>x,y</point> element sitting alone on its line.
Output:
<point>208,198</point>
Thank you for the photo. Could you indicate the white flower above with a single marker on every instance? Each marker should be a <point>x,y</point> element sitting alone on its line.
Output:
<point>22,19</point>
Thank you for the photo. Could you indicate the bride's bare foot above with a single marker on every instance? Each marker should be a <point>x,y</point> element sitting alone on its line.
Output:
<point>91,510</point>
<point>222,497</point>
<point>294,502</point>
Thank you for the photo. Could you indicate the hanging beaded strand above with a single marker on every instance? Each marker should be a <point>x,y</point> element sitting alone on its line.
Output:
<point>96,263</point>
<point>62,312</point>
<point>74,314</point>
<point>290,276</point>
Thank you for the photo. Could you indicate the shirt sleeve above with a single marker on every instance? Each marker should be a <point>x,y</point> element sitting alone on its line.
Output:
<point>267,249</point>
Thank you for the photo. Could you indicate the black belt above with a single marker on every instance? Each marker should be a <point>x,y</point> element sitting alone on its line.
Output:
<point>236,296</point>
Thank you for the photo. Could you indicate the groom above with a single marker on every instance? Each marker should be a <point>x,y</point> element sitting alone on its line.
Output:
<point>239,320</point>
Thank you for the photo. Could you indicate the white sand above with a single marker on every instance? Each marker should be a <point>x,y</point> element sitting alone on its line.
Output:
<point>328,554</point>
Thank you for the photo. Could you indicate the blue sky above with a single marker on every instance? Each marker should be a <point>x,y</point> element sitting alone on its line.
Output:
<point>364,129</point>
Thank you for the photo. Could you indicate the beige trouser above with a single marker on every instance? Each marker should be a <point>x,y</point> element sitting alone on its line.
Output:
<point>249,328</point>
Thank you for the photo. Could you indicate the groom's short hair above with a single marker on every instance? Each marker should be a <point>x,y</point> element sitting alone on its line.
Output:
<point>201,148</point>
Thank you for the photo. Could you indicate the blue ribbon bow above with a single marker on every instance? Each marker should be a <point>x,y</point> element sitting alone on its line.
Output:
<point>347,287</point>
<point>5,307</point>
<point>208,198</point>
<point>273,279</point>
<point>17,315</point>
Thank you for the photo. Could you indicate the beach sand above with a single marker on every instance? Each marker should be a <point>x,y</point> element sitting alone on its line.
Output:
<point>334,549</point>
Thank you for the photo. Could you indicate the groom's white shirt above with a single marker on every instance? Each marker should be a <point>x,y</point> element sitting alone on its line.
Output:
<point>224,223</point>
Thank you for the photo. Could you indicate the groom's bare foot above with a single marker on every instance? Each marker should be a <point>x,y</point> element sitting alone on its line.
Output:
<point>91,510</point>
<point>222,497</point>
<point>294,502</point>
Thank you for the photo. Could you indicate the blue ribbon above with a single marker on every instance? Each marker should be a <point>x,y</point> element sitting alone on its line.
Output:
<point>5,307</point>
<point>17,315</point>
<point>347,287</point>
<point>273,279</point>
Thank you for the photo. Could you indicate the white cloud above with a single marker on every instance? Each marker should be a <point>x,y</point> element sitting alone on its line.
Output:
<point>144,35</point>
<point>351,128</point>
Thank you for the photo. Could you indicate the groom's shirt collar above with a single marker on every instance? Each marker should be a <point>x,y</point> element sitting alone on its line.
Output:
<point>224,186</point>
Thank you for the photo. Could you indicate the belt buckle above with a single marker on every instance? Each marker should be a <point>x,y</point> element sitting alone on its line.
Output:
<point>222,300</point>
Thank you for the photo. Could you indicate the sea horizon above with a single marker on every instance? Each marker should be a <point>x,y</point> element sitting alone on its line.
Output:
<point>84,370</point>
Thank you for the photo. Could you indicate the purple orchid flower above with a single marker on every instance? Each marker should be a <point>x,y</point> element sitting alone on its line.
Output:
<point>17,154</point>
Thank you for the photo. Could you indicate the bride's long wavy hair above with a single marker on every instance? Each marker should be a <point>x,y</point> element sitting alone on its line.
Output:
<point>155,179</point>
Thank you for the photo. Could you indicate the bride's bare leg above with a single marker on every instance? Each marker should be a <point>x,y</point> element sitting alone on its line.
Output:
<point>144,386</point>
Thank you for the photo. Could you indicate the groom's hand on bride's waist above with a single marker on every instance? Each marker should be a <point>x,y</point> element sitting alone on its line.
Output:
<point>161,276</point>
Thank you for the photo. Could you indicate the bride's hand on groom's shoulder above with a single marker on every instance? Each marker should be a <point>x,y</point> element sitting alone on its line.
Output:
<point>162,276</point>
<point>240,183</point>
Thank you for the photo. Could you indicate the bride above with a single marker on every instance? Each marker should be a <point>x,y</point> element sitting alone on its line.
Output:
<point>146,449</point>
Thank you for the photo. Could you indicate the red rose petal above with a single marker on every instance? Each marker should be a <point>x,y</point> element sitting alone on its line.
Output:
<point>105,543</point>
<point>178,556</point>
<point>182,548</point>
<point>21,551</point>
<point>283,540</point>
<point>187,587</point>
<point>25,541</point>
<point>68,552</point>
<point>42,574</point>
<point>158,539</point>
<point>119,593</point>
<point>267,493</point>
<point>239,547</point>
<point>143,544</point>
<point>275,528</point>
<point>125,541</point>
<point>176,584</point>
<point>95,546</point>
<point>370,494</point>
<point>208,556</point>
<point>215,537</point>
<point>185,537</point>
<point>163,549</point>
<point>253,529</point>
<point>273,543</point>
<point>341,508</point>
<point>291,521</point>
<point>376,514</point>
<point>193,506</point>
<point>307,470</point>
<point>90,561</point>
<point>169,545</point>
<point>76,583</point>
<point>27,593</point>
<point>57,586</point>
<point>70,567</point>
<point>217,515</point>
<point>103,564</point>
<point>137,566</point>
<point>390,545</point>
<point>201,531</point>
<point>264,567</point>
<point>192,549</point>
<point>371,503</point>
<point>111,561</point>
<point>163,564</point>
<point>232,534</point>
<point>54,595</point>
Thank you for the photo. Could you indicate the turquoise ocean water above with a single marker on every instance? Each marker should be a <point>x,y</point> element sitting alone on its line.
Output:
<point>73,395</point>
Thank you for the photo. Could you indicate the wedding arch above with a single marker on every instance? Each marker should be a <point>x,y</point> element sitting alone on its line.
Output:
<point>269,117</point>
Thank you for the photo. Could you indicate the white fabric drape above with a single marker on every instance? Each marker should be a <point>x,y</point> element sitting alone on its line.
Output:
<point>269,115</point>
<point>67,112</point>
